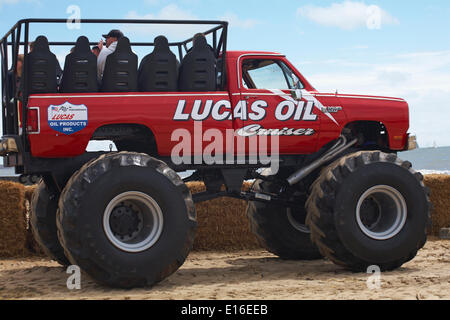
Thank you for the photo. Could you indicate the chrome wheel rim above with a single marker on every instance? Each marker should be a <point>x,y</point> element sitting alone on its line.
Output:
<point>381,212</point>
<point>133,222</point>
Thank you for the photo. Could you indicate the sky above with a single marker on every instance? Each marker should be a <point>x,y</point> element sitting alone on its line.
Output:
<point>393,48</point>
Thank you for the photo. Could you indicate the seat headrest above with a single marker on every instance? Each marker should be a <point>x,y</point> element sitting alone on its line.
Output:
<point>123,45</point>
<point>199,41</point>
<point>41,44</point>
<point>82,45</point>
<point>161,42</point>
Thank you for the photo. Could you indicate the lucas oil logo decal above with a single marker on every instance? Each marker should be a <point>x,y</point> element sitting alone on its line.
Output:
<point>257,111</point>
<point>286,110</point>
<point>68,118</point>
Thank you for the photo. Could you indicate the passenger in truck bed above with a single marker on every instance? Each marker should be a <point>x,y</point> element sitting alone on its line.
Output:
<point>20,62</point>
<point>111,44</point>
<point>160,71</point>
<point>198,36</point>
<point>96,50</point>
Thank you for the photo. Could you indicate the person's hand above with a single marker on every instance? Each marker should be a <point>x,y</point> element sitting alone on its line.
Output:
<point>100,45</point>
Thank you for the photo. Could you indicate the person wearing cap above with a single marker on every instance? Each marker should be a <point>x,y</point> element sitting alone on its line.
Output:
<point>111,44</point>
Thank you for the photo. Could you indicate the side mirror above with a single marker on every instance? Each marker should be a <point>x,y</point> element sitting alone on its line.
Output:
<point>296,94</point>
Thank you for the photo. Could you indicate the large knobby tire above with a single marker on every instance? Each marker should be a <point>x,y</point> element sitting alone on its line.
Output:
<point>369,208</point>
<point>280,230</point>
<point>127,220</point>
<point>43,223</point>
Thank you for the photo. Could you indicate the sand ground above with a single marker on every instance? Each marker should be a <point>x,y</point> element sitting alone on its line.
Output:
<point>242,275</point>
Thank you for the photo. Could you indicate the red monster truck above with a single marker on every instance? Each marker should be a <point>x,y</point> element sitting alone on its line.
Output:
<point>128,219</point>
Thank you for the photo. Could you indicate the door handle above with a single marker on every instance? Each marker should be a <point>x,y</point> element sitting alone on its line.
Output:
<point>247,97</point>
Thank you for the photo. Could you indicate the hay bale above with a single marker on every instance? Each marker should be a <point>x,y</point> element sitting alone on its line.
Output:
<point>29,190</point>
<point>222,224</point>
<point>440,197</point>
<point>13,222</point>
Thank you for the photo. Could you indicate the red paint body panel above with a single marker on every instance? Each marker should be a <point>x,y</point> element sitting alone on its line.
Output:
<point>156,111</point>
<point>392,112</point>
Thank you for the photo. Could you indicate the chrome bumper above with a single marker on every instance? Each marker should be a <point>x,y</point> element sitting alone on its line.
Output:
<point>412,143</point>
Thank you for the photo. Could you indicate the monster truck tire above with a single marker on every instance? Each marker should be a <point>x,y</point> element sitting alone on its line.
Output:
<point>127,220</point>
<point>43,223</point>
<point>369,208</point>
<point>278,230</point>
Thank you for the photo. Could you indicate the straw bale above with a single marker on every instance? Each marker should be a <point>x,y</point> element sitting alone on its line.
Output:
<point>13,223</point>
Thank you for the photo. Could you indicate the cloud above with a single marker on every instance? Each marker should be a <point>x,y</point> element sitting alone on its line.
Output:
<point>176,32</point>
<point>236,22</point>
<point>2,2</point>
<point>394,77</point>
<point>173,32</point>
<point>171,11</point>
<point>152,2</point>
<point>348,15</point>
<point>12,2</point>
<point>359,47</point>
<point>400,74</point>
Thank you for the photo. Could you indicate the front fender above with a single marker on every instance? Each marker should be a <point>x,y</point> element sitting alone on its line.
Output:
<point>393,113</point>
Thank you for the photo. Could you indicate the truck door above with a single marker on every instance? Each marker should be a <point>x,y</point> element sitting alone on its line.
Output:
<point>272,104</point>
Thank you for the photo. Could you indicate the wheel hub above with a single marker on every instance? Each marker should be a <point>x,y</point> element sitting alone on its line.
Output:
<point>381,212</point>
<point>125,221</point>
<point>133,222</point>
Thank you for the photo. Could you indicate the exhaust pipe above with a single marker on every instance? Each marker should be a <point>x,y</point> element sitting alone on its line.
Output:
<point>340,146</point>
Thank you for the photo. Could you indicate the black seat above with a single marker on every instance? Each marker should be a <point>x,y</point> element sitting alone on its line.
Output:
<point>41,68</point>
<point>80,69</point>
<point>158,71</point>
<point>198,68</point>
<point>120,73</point>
